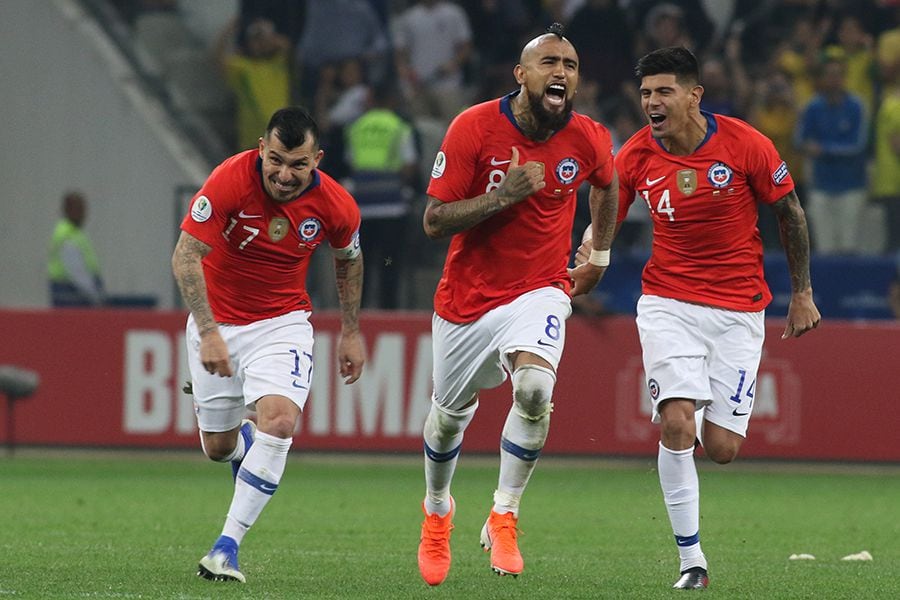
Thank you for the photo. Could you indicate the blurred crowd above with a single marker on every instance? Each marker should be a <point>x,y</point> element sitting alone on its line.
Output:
<point>821,78</point>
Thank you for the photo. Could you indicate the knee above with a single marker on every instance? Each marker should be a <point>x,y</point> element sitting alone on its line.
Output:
<point>279,425</point>
<point>533,390</point>
<point>219,445</point>
<point>678,430</point>
<point>443,424</point>
<point>722,453</point>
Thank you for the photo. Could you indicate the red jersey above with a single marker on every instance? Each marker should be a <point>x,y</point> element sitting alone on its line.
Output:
<point>526,246</point>
<point>261,248</point>
<point>706,244</point>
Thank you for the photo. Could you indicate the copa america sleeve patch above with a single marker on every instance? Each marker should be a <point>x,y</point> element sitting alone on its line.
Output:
<point>780,173</point>
<point>349,252</point>
<point>201,210</point>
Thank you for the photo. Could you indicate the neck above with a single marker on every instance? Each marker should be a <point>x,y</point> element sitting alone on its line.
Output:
<point>686,141</point>
<point>524,116</point>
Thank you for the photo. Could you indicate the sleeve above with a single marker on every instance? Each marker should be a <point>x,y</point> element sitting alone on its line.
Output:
<point>767,173</point>
<point>603,173</point>
<point>344,237</point>
<point>210,208</point>
<point>454,165</point>
<point>626,188</point>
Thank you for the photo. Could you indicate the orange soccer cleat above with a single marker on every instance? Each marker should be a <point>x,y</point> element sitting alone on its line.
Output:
<point>499,536</point>
<point>434,546</point>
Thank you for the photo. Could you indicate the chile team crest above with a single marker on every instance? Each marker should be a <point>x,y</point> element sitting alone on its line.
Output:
<point>720,175</point>
<point>567,170</point>
<point>309,229</point>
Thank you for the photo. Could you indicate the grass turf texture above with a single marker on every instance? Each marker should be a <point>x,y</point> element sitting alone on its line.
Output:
<point>97,525</point>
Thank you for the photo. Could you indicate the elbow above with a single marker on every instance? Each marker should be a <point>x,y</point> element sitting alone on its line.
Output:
<point>431,226</point>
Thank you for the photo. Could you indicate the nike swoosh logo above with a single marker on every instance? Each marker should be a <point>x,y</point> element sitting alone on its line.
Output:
<point>495,162</point>
<point>297,385</point>
<point>655,181</point>
<point>269,489</point>
<point>737,414</point>
<point>543,343</point>
<point>244,215</point>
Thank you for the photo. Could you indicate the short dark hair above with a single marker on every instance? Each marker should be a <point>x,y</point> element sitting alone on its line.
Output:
<point>557,29</point>
<point>292,124</point>
<point>675,60</point>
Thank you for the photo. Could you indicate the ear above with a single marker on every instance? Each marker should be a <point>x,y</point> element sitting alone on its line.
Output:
<point>262,147</point>
<point>519,74</point>
<point>696,95</point>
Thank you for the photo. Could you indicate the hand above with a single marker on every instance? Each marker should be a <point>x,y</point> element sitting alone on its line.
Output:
<point>585,277</point>
<point>802,315</point>
<point>584,250</point>
<point>522,181</point>
<point>214,354</point>
<point>351,356</point>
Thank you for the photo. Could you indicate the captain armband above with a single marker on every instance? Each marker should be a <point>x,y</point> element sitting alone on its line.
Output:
<point>351,251</point>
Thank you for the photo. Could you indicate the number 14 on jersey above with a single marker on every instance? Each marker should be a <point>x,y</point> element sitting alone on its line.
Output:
<point>664,206</point>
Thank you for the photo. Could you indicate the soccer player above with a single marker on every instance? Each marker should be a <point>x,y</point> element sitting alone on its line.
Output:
<point>504,186</point>
<point>241,265</point>
<point>701,314</point>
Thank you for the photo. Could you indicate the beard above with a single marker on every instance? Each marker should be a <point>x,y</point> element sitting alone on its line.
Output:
<point>545,121</point>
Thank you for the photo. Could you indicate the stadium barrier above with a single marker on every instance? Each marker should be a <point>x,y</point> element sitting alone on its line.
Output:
<point>113,378</point>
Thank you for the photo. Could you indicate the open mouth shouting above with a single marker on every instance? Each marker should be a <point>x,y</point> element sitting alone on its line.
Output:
<point>555,95</point>
<point>656,120</point>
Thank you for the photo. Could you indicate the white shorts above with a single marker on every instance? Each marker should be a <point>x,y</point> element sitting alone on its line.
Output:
<point>702,353</point>
<point>475,356</point>
<point>269,357</point>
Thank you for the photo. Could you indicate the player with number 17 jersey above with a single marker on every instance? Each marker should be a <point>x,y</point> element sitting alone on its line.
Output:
<point>526,246</point>
<point>262,248</point>
<point>706,245</point>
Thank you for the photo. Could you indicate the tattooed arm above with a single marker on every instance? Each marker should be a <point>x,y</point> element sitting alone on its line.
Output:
<point>802,312</point>
<point>349,279</point>
<point>443,219</point>
<point>604,203</point>
<point>188,271</point>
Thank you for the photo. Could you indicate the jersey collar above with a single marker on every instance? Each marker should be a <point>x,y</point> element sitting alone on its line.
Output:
<point>506,109</point>
<point>712,126</point>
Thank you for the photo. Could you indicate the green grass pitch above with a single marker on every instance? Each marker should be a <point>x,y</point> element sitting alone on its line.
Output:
<point>133,525</point>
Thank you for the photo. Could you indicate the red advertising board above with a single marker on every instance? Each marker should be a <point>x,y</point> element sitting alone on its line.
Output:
<point>113,378</point>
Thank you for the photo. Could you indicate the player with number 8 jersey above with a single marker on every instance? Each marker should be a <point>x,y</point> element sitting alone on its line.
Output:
<point>504,186</point>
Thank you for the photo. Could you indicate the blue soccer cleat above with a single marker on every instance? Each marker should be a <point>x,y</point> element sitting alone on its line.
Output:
<point>221,564</point>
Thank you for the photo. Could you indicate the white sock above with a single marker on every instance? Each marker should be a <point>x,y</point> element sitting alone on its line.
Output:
<point>443,436</point>
<point>520,446</point>
<point>681,492</point>
<point>257,480</point>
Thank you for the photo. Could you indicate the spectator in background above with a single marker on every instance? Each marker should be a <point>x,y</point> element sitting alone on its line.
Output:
<point>433,43</point>
<point>342,95</point>
<point>858,48</point>
<point>601,31</point>
<point>498,31</point>
<point>333,32</point>
<point>382,157</point>
<point>774,113</point>
<point>798,55</point>
<point>258,73</point>
<point>833,133</point>
<point>664,25</point>
<point>73,268</point>
<point>726,87</point>
<point>885,187</point>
